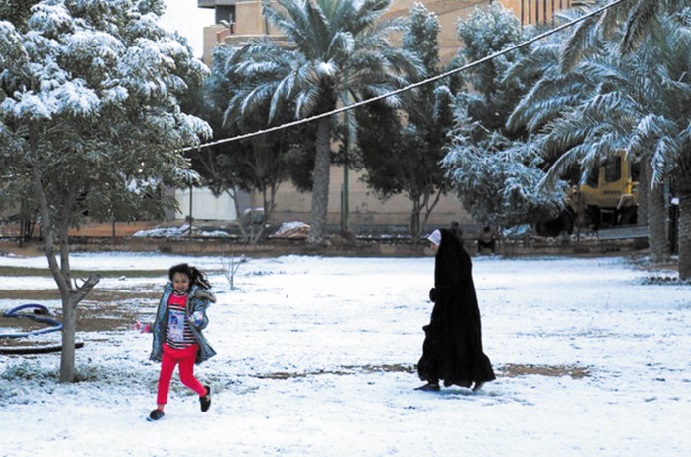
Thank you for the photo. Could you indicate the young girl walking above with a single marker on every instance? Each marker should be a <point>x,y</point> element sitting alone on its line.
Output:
<point>178,338</point>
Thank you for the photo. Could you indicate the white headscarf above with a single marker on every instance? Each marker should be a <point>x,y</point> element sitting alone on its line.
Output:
<point>435,237</point>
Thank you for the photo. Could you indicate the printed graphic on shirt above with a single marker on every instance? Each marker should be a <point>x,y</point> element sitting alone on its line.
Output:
<point>176,325</point>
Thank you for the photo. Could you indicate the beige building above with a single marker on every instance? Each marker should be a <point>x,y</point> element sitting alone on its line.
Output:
<point>240,20</point>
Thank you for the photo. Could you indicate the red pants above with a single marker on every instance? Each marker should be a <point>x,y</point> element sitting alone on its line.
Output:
<point>171,357</point>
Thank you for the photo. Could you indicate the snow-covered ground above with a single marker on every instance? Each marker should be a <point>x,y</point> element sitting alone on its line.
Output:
<point>317,355</point>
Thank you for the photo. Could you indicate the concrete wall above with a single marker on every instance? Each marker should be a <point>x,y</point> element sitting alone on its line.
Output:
<point>205,206</point>
<point>365,207</point>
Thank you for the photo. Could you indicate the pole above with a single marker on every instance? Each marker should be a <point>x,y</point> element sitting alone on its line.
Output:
<point>189,232</point>
<point>346,189</point>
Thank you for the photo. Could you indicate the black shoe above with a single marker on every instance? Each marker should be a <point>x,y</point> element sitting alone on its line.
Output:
<point>478,386</point>
<point>205,401</point>
<point>429,388</point>
<point>155,415</point>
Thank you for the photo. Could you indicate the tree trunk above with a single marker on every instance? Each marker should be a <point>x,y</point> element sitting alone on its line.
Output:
<point>684,233</point>
<point>320,186</point>
<point>345,207</point>
<point>69,332</point>
<point>659,251</point>
<point>415,218</point>
<point>70,300</point>
<point>644,191</point>
<point>61,272</point>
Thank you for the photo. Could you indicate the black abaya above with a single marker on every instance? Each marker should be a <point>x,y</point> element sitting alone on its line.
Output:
<point>452,349</point>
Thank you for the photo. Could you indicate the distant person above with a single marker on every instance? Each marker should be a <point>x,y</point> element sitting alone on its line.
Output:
<point>178,338</point>
<point>486,241</point>
<point>452,348</point>
<point>457,232</point>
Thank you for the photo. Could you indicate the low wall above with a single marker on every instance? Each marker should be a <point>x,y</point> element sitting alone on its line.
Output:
<point>337,247</point>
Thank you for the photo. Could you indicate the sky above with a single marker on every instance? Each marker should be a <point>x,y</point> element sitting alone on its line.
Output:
<point>189,21</point>
<point>316,357</point>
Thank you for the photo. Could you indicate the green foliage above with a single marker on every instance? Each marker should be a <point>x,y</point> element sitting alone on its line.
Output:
<point>485,32</point>
<point>422,36</point>
<point>496,179</point>
<point>492,170</point>
<point>16,12</point>
<point>402,153</point>
<point>27,371</point>
<point>91,109</point>
<point>258,163</point>
<point>490,97</point>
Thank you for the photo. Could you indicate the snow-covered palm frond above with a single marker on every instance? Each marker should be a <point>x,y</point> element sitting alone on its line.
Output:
<point>653,126</point>
<point>257,96</point>
<point>539,61</point>
<point>665,158</point>
<point>369,14</point>
<point>341,45</point>
<point>564,163</point>
<point>580,44</point>
<point>288,19</point>
<point>637,25</point>
<point>305,25</point>
<point>602,71</point>
<point>253,69</point>
<point>564,133</point>
<point>547,99</point>
<point>307,101</point>
<point>325,69</point>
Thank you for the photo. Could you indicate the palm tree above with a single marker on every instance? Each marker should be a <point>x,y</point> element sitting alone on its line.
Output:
<point>665,132</point>
<point>337,50</point>
<point>624,90</point>
<point>637,16</point>
<point>613,96</point>
<point>644,23</point>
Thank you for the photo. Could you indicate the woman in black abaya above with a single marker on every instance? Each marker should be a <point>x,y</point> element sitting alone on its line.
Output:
<point>452,349</point>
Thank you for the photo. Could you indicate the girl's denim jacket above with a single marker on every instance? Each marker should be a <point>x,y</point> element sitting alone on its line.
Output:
<point>198,299</point>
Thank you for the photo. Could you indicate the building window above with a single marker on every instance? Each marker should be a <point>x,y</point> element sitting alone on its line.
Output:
<point>225,13</point>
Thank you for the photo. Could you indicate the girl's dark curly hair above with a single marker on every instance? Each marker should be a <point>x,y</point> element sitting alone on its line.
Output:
<point>195,276</point>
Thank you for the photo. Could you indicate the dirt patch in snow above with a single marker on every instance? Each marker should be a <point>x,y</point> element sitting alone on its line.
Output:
<point>508,370</point>
<point>516,369</point>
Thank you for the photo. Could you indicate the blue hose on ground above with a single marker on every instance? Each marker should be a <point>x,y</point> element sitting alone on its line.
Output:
<point>55,325</point>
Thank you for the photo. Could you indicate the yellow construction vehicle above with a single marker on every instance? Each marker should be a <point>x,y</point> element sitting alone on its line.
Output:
<point>607,198</point>
<point>609,195</point>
